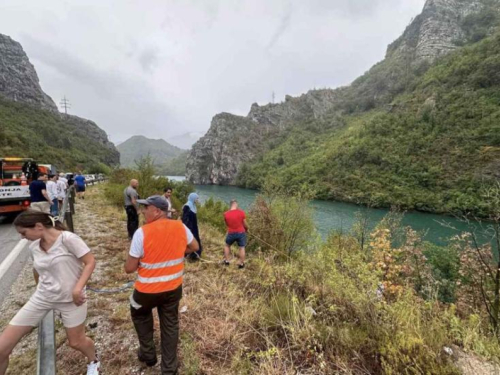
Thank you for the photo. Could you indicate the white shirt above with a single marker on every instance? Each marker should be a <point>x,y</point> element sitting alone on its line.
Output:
<point>169,212</point>
<point>137,245</point>
<point>61,189</point>
<point>64,179</point>
<point>52,190</point>
<point>59,268</point>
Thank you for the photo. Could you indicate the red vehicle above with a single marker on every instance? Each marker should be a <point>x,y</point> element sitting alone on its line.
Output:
<point>15,177</point>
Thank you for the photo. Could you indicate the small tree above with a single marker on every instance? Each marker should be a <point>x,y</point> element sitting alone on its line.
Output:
<point>281,220</point>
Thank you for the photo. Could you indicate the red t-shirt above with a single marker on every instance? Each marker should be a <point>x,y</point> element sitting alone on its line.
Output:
<point>234,221</point>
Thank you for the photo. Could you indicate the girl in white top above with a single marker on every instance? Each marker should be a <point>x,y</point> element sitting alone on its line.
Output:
<point>62,264</point>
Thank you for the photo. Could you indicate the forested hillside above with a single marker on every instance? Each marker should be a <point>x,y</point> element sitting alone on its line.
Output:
<point>31,125</point>
<point>68,142</point>
<point>434,148</point>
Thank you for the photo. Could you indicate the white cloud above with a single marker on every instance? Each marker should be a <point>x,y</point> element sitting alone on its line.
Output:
<point>163,68</point>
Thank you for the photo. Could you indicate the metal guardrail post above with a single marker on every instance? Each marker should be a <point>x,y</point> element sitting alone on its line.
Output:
<point>71,198</point>
<point>46,357</point>
<point>69,210</point>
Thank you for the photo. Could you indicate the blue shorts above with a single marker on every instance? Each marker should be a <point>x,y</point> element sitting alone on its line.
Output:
<point>80,188</point>
<point>240,238</point>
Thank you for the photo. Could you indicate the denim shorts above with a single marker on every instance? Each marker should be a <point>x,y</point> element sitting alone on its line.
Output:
<point>240,238</point>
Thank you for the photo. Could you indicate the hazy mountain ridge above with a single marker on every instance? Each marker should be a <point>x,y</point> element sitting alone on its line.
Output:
<point>185,141</point>
<point>139,146</point>
<point>32,124</point>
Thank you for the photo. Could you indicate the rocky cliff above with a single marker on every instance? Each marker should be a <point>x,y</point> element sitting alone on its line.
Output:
<point>438,30</point>
<point>18,78</point>
<point>233,140</point>
<point>442,27</point>
<point>19,83</point>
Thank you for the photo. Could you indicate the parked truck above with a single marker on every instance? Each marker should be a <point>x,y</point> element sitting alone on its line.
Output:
<point>15,177</point>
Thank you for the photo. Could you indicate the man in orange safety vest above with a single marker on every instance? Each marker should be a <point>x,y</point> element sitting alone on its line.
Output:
<point>157,254</point>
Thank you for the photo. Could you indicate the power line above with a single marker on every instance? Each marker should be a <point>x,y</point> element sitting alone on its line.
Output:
<point>65,104</point>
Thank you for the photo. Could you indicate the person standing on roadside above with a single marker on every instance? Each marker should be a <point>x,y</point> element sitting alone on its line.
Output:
<point>39,197</point>
<point>62,187</point>
<point>53,192</point>
<point>80,183</point>
<point>237,228</point>
<point>191,221</point>
<point>63,264</point>
<point>131,207</point>
<point>157,254</point>
<point>168,196</point>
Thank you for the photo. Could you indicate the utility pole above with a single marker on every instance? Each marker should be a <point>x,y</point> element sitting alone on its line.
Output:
<point>65,104</point>
<point>273,96</point>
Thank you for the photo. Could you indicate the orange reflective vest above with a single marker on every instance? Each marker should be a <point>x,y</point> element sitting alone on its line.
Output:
<point>162,266</point>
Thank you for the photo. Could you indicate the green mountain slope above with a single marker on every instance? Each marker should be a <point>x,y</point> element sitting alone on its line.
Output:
<point>139,146</point>
<point>174,167</point>
<point>433,146</point>
<point>68,142</point>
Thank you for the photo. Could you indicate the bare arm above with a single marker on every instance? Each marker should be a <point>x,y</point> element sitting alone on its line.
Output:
<point>192,247</point>
<point>46,195</point>
<point>134,203</point>
<point>131,264</point>
<point>245,224</point>
<point>89,265</point>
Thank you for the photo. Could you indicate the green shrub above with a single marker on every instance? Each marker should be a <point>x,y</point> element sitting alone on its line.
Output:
<point>281,221</point>
<point>149,184</point>
<point>212,213</point>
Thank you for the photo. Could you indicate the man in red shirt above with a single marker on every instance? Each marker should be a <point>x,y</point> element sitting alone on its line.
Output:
<point>236,232</point>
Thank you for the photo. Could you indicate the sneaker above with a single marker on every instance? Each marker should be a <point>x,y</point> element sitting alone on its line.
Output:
<point>241,266</point>
<point>225,262</point>
<point>149,363</point>
<point>94,368</point>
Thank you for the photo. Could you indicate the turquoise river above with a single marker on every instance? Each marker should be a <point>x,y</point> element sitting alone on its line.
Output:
<point>330,215</point>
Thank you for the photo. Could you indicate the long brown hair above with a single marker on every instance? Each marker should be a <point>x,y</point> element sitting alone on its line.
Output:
<point>29,218</point>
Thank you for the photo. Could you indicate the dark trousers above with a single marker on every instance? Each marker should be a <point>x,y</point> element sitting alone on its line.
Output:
<point>167,304</point>
<point>132,220</point>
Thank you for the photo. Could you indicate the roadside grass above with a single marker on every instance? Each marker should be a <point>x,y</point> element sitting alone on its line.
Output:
<point>313,313</point>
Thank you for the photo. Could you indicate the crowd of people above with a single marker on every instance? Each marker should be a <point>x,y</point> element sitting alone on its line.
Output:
<point>157,253</point>
<point>47,193</point>
<point>63,264</point>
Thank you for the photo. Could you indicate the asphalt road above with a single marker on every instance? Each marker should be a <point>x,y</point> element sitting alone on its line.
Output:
<point>9,238</point>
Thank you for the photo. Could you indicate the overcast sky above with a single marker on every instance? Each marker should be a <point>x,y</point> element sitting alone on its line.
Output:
<point>161,68</point>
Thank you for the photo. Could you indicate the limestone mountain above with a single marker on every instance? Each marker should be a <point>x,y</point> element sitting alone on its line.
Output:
<point>31,125</point>
<point>139,146</point>
<point>366,143</point>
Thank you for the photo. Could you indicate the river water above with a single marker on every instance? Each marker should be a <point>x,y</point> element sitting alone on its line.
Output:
<point>330,215</point>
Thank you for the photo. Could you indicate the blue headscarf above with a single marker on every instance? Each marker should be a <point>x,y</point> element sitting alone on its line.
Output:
<point>191,201</point>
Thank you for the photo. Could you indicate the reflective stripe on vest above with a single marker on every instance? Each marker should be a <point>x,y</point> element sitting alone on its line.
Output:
<point>160,279</point>
<point>170,263</point>
<point>162,266</point>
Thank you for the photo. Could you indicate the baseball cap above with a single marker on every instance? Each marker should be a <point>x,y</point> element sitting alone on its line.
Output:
<point>158,201</point>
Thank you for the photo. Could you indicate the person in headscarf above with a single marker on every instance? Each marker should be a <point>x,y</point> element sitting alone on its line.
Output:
<point>190,220</point>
